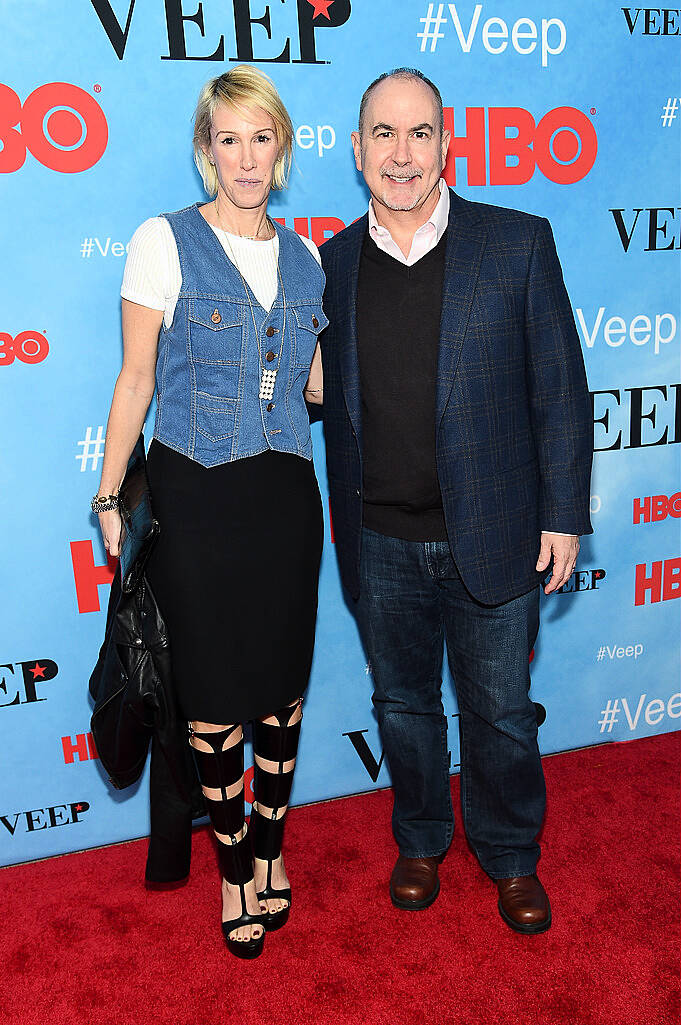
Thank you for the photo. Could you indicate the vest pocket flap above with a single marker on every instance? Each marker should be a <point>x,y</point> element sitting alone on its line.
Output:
<point>311,318</point>
<point>215,314</point>
<point>215,416</point>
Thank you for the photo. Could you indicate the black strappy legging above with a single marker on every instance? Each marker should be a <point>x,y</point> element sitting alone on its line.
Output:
<point>278,744</point>
<point>221,769</point>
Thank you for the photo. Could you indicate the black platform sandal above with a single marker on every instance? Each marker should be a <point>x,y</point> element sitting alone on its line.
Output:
<point>236,865</point>
<point>218,770</point>
<point>272,790</point>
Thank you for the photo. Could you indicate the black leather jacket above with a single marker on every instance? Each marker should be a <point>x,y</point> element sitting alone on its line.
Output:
<point>135,705</point>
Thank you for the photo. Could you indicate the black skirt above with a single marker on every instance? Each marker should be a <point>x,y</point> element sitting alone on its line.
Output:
<point>235,573</point>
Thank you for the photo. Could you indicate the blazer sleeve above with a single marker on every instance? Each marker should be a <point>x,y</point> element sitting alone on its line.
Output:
<point>560,404</point>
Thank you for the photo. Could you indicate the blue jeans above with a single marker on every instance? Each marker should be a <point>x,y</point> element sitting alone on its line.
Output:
<point>412,601</point>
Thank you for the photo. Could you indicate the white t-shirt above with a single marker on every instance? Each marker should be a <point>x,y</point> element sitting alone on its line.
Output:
<point>152,275</point>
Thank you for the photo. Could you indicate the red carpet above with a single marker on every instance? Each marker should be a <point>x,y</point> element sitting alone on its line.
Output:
<point>84,943</point>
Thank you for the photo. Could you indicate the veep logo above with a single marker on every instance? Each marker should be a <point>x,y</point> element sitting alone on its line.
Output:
<point>21,687</point>
<point>27,346</point>
<point>581,580</point>
<point>367,757</point>
<point>654,713</point>
<point>495,33</point>
<point>45,818</point>
<point>563,145</point>
<point>657,507</point>
<point>661,227</point>
<point>663,582</point>
<point>652,416</point>
<point>323,136</point>
<point>656,21</point>
<point>251,32</point>
<point>640,330</point>
<point>63,127</point>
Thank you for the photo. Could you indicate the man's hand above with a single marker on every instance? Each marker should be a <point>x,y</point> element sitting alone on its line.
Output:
<point>564,548</point>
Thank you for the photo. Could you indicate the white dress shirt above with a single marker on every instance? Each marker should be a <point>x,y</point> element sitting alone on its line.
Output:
<point>425,238</point>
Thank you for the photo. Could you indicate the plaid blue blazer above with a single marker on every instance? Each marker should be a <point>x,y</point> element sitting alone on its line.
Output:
<point>513,419</point>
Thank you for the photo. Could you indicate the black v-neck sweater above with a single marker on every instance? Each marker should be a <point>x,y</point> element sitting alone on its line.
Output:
<point>398,336</point>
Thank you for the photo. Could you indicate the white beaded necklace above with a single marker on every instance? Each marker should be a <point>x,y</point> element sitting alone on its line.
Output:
<point>267,376</point>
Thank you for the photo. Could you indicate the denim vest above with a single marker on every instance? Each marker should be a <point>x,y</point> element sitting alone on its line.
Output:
<point>208,369</point>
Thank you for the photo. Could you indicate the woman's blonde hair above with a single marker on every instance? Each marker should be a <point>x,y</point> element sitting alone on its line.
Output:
<point>243,86</point>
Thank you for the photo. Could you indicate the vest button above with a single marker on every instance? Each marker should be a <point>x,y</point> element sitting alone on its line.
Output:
<point>315,322</point>
<point>270,407</point>
<point>270,356</point>
<point>215,317</point>
<point>270,331</point>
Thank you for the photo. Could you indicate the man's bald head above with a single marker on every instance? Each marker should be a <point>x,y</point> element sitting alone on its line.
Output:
<point>402,73</point>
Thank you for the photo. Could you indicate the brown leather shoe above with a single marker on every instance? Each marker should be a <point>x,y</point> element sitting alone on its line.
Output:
<point>414,882</point>
<point>523,904</point>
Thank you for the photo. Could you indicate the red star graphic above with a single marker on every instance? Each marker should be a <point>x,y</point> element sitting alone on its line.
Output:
<point>79,807</point>
<point>38,671</point>
<point>321,7</point>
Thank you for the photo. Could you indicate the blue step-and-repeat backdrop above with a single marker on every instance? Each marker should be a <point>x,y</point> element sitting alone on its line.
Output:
<point>569,110</point>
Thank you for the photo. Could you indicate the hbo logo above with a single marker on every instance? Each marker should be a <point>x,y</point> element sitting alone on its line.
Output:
<point>28,347</point>
<point>63,126</point>
<point>654,508</point>
<point>563,145</point>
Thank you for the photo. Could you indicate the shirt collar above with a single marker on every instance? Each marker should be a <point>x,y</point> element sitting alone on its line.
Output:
<point>439,218</point>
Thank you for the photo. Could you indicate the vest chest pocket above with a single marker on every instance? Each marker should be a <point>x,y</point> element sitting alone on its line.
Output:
<point>310,321</point>
<point>215,331</point>
<point>215,416</point>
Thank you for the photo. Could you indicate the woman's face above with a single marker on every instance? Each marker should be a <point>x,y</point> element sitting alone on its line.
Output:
<point>244,148</point>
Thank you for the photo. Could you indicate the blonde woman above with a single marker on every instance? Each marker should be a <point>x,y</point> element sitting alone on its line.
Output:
<point>221,312</point>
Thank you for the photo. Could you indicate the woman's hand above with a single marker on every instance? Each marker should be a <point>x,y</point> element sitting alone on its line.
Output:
<point>111,524</point>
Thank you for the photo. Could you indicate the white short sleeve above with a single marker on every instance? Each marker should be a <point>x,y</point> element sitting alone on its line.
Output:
<point>152,275</point>
<point>312,247</point>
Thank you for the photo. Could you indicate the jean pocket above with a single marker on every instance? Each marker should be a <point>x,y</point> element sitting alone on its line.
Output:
<point>215,332</point>
<point>215,416</point>
<point>310,321</point>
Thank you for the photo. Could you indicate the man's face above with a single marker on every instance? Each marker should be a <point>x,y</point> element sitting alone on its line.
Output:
<point>400,151</point>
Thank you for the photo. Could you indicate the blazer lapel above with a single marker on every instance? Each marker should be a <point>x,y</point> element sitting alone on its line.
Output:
<point>466,237</point>
<point>347,322</point>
